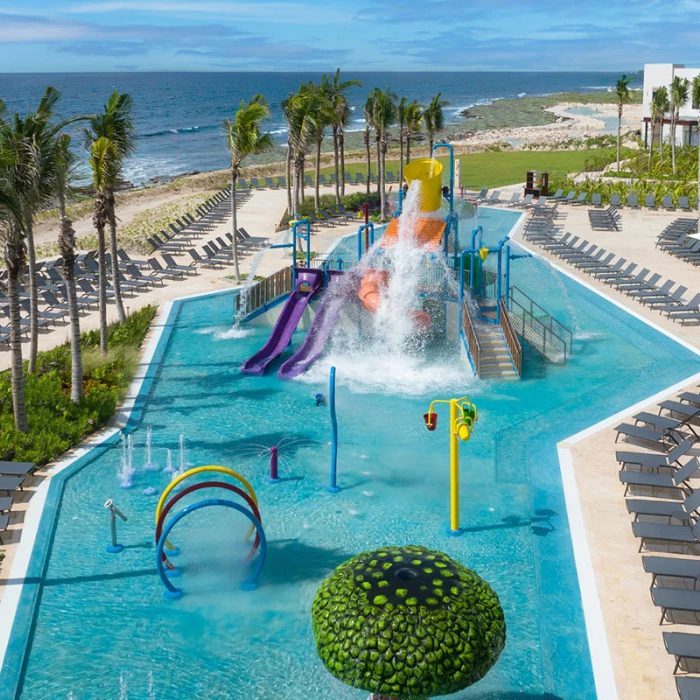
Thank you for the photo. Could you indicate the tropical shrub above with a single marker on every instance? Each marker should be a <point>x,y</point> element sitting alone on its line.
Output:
<point>55,422</point>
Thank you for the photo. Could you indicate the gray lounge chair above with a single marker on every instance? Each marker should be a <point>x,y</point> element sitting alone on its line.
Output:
<point>673,510</point>
<point>581,199</point>
<point>482,194</point>
<point>633,201</point>
<point>16,468</point>
<point>11,483</point>
<point>667,203</point>
<point>650,201</point>
<point>682,646</point>
<point>655,440</point>
<point>675,481</point>
<point>173,266</point>
<point>199,260</point>
<point>676,297</point>
<point>684,203</point>
<point>615,200</point>
<point>675,599</point>
<point>655,461</point>
<point>596,199</point>
<point>662,532</point>
<point>5,504</point>
<point>671,567</point>
<point>688,688</point>
<point>308,181</point>
<point>493,199</point>
<point>270,183</point>
<point>322,179</point>
<point>527,201</point>
<point>360,178</point>
<point>569,197</point>
<point>559,194</point>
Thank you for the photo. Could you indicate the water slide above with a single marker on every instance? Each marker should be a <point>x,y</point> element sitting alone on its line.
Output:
<point>320,330</point>
<point>308,283</point>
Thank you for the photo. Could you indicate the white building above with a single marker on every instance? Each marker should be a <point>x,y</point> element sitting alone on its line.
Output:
<point>658,75</point>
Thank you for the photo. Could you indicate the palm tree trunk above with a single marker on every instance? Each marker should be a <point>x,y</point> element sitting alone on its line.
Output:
<point>651,143</point>
<point>661,142</point>
<point>301,179</point>
<point>408,147</point>
<point>66,245</point>
<point>234,227</point>
<point>317,174</point>
<point>673,144</point>
<point>431,141</point>
<point>698,202</point>
<point>341,146</point>
<point>335,162</point>
<point>33,295</point>
<point>379,165</point>
<point>115,260</point>
<point>99,222</point>
<point>289,179</point>
<point>384,197</point>
<point>400,158</point>
<point>14,260</point>
<point>619,134</point>
<point>298,177</point>
<point>369,159</point>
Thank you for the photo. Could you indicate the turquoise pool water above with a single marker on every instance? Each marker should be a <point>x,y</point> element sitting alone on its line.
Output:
<point>101,620</point>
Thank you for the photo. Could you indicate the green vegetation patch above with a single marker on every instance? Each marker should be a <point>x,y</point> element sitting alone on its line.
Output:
<point>408,622</point>
<point>55,423</point>
<point>532,111</point>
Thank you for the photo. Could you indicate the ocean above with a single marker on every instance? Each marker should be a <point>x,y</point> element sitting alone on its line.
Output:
<point>178,115</point>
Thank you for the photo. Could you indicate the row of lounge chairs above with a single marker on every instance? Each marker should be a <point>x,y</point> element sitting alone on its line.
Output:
<point>643,285</point>
<point>278,181</point>
<point>12,476</point>
<point>677,239</point>
<point>330,217</point>
<point>664,506</point>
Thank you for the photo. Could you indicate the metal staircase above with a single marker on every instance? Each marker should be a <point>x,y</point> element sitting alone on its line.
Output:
<point>541,330</point>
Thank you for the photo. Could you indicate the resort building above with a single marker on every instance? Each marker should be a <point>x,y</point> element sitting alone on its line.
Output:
<point>658,75</point>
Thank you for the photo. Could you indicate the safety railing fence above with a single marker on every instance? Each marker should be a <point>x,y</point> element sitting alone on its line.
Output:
<point>514,347</point>
<point>555,327</point>
<point>264,292</point>
<point>471,337</point>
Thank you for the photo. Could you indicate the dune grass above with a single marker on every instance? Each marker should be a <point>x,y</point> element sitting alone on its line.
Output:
<point>499,168</point>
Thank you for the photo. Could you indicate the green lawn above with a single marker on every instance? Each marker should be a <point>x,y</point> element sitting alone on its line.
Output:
<point>495,169</point>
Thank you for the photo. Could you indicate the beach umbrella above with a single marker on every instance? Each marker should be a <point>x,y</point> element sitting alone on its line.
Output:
<point>407,622</point>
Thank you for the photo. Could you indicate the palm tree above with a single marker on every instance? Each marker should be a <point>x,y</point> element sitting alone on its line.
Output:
<point>434,119</point>
<point>340,115</point>
<point>414,120</point>
<point>116,125</point>
<point>369,125</point>
<point>384,118</point>
<point>65,165</point>
<point>104,163</point>
<point>679,96</point>
<point>301,110</point>
<point>31,178</point>
<point>14,255</point>
<point>696,105</point>
<point>401,121</point>
<point>244,139</point>
<point>323,119</point>
<point>659,107</point>
<point>624,96</point>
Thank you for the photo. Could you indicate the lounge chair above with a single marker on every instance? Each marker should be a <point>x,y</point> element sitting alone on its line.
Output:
<point>663,290</point>
<point>515,198</point>
<point>493,199</point>
<point>659,441</point>
<point>676,297</point>
<point>688,688</point>
<point>633,201</point>
<point>615,200</point>
<point>682,646</point>
<point>613,275</point>
<point>372,177</point>
<point>281,180</point>
<point>164,272</point>
<point>199,260</point>
<point>360,178</point>
<point>390,177</point>
<point>559,194</point>
<point>322,179</point>
<point>667,203</point>
<point>636,286</point>
<point>254,183</point>
<point>671,567</point>
<point>308,181</point>
<point>11,483</point>
<point>241,184</point>
<point>482,194</point>
<point>581,199</point>
<point>663,532</point>
<point>172,266</point>
<point>596,199</point>
<point>684,203</point>
<point>650,201</point>
<point>253,240</point>
<point>569,197</point>
<point>15,469</point>
<point>675,481</point>
<point>270,183</point>
<point>673,510</point>
<point>332,177</point>
<point>675,599</point>
<point>655,461</point>
<point>527,201</point>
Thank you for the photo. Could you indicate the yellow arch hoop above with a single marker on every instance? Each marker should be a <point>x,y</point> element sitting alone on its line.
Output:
<point>198,470</point>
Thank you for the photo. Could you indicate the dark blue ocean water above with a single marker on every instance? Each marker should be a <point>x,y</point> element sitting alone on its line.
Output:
<point>178,115</point>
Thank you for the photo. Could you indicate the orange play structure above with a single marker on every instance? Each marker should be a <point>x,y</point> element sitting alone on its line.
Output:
<point>428,233</point>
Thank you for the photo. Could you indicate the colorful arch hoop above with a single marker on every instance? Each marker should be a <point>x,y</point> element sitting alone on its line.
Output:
<point>204,485</point>
<point>251,583</point>
<point>199,470</point>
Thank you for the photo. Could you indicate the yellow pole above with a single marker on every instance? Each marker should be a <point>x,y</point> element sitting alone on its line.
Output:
<point>454,467</point>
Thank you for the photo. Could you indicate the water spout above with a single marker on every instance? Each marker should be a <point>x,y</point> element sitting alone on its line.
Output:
<point>149,466</point>
<point>125,473</point>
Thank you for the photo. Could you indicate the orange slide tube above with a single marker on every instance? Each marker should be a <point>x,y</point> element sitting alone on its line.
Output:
<point>370,296</point>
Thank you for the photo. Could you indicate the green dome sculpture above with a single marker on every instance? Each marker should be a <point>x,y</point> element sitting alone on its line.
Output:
<point>407,622</point>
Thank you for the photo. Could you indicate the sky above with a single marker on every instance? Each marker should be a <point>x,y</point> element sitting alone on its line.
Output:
<point>371,35</point>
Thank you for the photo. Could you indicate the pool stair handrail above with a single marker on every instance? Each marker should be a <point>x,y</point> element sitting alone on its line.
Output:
<point>252,580</point>
<point>333,487</point>
<point>114,547</point>
<point>252,505</point>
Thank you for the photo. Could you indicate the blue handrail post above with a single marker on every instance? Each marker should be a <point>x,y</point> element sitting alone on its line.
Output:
<point>448,146</point>
<point>360,247</point>
<point>400,205</point>
<point>507,302</point>
<point>478,231</point>
<point>333,488</point>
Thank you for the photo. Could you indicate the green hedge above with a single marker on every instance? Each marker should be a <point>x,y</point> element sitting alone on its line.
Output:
<point>55,423</point>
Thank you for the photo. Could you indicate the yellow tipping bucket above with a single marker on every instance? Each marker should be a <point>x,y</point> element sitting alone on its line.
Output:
<point>429,173</point>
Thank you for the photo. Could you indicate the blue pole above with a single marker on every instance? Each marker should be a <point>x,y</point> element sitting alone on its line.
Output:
<point>333,488</point>
<point>455,224</point>
<point>308,243</point>
<point>477,231</point>
<point>294,256</point>
<point>507,276</point>
<point>448,146</point>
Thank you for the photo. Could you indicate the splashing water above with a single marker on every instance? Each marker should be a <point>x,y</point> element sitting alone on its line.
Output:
<point>181,468</point>
<point>149,466</point>
<point>123,686</point>
<point>151,687</point>
<point>388,354</point>
<point>169,469</point>
<point>125,473</point>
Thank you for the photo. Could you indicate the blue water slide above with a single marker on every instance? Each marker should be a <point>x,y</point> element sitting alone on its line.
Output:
<point>320,330</point>
<point>308,282</point>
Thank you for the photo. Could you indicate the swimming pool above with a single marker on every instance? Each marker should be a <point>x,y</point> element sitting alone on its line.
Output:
<point>88,619</point>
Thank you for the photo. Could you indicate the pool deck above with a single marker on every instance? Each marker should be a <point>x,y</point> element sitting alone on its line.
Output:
<point>641,665</point>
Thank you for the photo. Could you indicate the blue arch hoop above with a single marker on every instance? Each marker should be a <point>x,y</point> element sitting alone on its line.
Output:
<point>250,584</point>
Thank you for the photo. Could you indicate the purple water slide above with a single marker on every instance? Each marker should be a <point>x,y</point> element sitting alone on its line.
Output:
<point>320,330</point>
<point>308,283</point>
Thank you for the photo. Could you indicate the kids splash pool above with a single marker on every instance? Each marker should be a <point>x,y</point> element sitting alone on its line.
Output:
<point>94,625</point>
